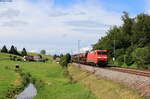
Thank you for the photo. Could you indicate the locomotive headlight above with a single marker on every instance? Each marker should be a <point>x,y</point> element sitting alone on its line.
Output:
<point>101,57</point>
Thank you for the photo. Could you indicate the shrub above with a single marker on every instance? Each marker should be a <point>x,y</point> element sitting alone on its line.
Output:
<point>120,60</point>
<point>128,60</point>
<point>119,52</point>
<point>55,56</point>
<point>65,60</point>
<point>141,56</point>
<point>133,66</point>
<point>124,65</point>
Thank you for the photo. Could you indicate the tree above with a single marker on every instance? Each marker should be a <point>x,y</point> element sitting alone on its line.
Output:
<point>65,60</point>
<point>127,29</point>
<point>4,49</point>
<point>141,56</point>
<point>13,50</point>
<point>127,23</point>
<point>43,52</point>
<point>68,58</point>
<point>141,30</point>
<point>61,55</point>
<point>55,56</point>
<point>130,41</point>
<point>24,52</point>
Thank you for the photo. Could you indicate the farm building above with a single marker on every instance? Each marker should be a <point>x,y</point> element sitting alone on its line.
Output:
<point>37,58</point>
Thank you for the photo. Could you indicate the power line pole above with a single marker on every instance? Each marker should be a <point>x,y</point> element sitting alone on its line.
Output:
<point>114,58</point>
<point>79,52</point>
<point>71,53</point>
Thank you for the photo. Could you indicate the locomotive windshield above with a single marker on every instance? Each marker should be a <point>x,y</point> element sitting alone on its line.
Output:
<point>101,53</point>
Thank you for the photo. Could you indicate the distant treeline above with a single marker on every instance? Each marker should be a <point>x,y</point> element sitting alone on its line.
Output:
<point>13,50</point>
<point>129,43</point>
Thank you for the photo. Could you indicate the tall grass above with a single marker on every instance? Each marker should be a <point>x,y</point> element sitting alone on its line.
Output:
<point>101,88</point>
<point>48,77</point>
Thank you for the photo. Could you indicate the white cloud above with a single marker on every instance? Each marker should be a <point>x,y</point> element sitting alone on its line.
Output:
<point>43,25</point>
<point>88,48</point>
<point>147,6</point>
<point>83,50</point>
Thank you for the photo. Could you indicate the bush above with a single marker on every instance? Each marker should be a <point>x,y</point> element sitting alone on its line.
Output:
<point>133,66</point>
<point>65,60</point>
<point>124,65</point>
<point>141,56</point>
<point>55,56</point>
<point>120,60</point>
<point>128,60</point>
<point>119,52</point>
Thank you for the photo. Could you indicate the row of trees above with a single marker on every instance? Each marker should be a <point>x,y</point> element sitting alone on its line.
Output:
<point>13,50</point>
<point>129,43</point>
<point>57,56</point>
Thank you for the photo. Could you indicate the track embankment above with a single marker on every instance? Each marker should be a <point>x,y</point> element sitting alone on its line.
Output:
<point>134,81</point>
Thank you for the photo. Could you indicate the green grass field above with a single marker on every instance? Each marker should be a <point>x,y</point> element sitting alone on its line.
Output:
<point>101,88</point>
<point>8,79</point>
<point>52,84</point>
<point>55,85</point>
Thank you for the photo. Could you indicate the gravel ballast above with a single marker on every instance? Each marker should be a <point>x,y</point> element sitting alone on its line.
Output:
<point>136,82</point>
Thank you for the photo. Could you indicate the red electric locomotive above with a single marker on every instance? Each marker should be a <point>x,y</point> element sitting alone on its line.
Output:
<point>97,57</point>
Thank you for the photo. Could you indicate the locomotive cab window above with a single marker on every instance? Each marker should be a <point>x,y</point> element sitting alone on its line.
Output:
<point>101,53</point>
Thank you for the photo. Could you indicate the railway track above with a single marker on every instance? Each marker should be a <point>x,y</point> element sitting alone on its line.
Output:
<point>135,79</point>
<point>131,71</point>
<point>139,72</point>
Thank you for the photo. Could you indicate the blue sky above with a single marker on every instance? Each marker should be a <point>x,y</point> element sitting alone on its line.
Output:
<point>57,25</point>
<point>131,6</point>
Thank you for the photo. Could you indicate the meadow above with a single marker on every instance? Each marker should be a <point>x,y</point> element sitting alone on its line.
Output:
<point>52,82</point>
<point>48,78</point>
<point>8,79</point>
<point>102,88</point>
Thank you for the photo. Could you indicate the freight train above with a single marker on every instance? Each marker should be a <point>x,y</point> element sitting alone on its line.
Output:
<point>97,58</point>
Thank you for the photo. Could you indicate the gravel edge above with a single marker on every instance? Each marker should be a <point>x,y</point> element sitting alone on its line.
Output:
<point>135,82</point>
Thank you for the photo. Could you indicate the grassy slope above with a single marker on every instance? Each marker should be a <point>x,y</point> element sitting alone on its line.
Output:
<point>7,77</point>
<point>56,85</point>
<point>6,81</point>
<point>4,56</point>
<point>101,88</point>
